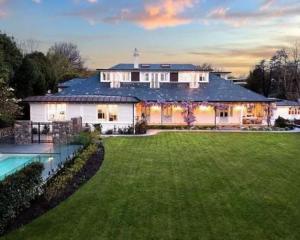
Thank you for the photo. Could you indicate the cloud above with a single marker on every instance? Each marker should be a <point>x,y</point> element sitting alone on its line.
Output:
<point>3,9</point>
<point>266,13</point>
<point>153,15</point>
<point>165,13</point>
<point>37,1</point>
<point>267,4</point>
<point>92,1</point>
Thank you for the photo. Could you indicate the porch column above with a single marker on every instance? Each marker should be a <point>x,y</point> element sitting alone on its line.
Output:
<point>215,109</point>
<point>161,114</point>
<point>133,116</point>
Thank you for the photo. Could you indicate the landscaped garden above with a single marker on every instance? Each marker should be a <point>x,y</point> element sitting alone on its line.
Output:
<point>184,186</point>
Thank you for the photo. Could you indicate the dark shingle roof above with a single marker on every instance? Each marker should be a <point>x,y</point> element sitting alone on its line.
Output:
<point>287,103</point>
<point>80,98</point>
<point>217,90</point>
<point>156,67</point>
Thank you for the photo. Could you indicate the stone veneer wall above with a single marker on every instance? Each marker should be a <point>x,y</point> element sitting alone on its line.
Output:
<point>23,132</point>
<point>77,124</point>
<point>62,132</point>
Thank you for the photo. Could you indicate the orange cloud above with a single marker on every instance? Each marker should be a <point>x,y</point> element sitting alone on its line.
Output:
<point>164,13</point>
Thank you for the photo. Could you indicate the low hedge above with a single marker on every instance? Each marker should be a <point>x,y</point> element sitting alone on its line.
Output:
<point>17,191</point>
<point>55,185</point>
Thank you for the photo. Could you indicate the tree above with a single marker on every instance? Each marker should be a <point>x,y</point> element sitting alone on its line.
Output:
<point>35,76</point>
<point>279,76</point>
<point>66,60</point>
<point>10,59</point>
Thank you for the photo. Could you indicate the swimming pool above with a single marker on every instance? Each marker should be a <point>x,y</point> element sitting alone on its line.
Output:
<point>11,163</point>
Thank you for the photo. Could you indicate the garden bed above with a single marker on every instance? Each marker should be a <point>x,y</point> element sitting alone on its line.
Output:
<point>42,204</point>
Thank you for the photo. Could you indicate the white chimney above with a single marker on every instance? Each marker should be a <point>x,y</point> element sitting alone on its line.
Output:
<point>136,58</point>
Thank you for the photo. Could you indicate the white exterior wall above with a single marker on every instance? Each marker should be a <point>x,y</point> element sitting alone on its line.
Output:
<point>188,76</point>
<point>183,76</point>
<point>38,112</point>
<point>88,112</point>
<point>283,111</point>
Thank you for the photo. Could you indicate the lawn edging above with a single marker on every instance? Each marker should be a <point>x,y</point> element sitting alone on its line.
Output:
<point>81,174</point>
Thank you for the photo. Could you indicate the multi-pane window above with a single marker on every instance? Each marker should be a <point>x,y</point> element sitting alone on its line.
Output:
<point>167,111</point>
<point>102,109</point>
<point>57,112</point>
<point>108,113</point>
<point>106,76</point>
<point>226,113</point>
<point>112,113</point>
<point>147,76</point>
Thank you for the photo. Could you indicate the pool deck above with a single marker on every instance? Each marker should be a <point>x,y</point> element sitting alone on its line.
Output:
<point>31,148</point>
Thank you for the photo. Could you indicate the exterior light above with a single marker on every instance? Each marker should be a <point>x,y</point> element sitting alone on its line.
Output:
<point>204,108</point>
<point>239,107</point>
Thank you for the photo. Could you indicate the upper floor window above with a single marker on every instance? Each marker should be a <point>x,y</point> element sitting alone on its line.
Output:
<point>201,79</point>
<point>146,76</point>
<point>106,76</point>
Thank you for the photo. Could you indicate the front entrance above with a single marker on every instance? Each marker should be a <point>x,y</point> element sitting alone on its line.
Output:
<point>41,132</point>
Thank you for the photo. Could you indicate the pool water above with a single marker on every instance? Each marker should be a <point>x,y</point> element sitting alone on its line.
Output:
<point>11,163</point>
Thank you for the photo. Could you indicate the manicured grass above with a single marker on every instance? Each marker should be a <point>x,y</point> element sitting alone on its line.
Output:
<point>184,186</point>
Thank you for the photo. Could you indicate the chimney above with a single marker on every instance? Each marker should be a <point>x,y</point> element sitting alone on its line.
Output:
<point>136,58</point>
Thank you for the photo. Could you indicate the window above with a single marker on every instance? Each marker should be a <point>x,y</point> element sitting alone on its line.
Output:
<point>112,113</point>
<point>162,77</point>
<point>224,114</point>
<point>102,109</point>
<point>167,111</point>
<point>108,113</point>
<point>146,76</point>
<point>201,79</point>
<point>56,112</point>
<point>106,76</point>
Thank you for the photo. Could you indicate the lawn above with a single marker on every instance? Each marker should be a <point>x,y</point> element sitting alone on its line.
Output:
<point>184,186</point>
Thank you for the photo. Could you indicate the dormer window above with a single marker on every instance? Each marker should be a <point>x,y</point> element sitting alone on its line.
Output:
<point>106,76</point>
<point>146,76</point>
<point>145,65</point>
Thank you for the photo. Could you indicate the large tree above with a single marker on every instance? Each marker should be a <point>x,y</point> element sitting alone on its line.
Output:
<point>10,59</point>
<point>279,76</point>
<point>35,76</point>
<point>66,60</point>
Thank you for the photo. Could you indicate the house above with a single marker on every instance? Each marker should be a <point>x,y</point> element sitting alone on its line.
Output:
<point>286,109</point>
<point>162,94</point>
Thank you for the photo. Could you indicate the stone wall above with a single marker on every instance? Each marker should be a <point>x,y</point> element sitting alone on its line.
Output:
<point>62,132</point>
<point>23,132</point>
<point>77,124</point>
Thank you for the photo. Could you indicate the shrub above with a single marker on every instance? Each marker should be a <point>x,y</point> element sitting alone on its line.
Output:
<point>98,127</point>
<point>109,132</point>
<point>281,122</point>
<point>64,177</point>
<point>141,127</point>
<point>85,138</point>
<point>17,191</point>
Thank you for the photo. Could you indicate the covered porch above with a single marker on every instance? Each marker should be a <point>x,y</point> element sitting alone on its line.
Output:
<point>203,113</point>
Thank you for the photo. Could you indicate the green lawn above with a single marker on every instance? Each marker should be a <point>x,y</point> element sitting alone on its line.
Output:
<point>184,186</point>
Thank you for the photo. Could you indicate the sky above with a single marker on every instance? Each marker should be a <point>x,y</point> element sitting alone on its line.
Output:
<point>232,35</point>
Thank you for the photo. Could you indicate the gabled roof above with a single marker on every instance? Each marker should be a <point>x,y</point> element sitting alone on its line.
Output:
<point>156,67</point>
<point>216,90</point>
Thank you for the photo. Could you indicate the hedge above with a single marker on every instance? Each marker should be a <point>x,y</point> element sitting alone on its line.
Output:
<point>55,185</point>
<point>17,191</point>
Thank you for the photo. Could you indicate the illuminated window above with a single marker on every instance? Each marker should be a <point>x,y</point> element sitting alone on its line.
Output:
<point>167,111</point>
<point>102,110</point>
<point>56,112</point>
<point>112,113</point>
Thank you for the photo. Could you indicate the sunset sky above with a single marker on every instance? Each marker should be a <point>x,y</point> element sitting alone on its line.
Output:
<point>232,34</point>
